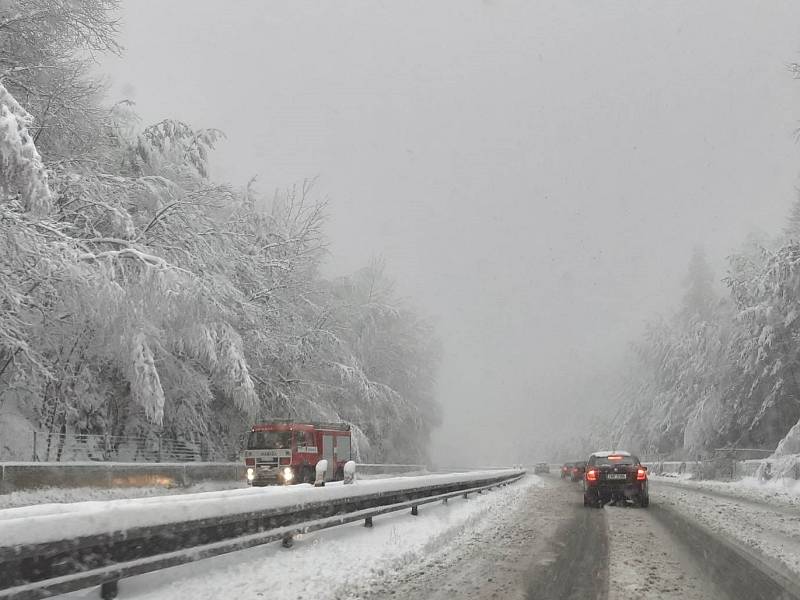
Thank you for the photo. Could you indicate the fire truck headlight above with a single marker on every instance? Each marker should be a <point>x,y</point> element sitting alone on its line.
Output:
<point>288,474</point>
<point>251,474</point>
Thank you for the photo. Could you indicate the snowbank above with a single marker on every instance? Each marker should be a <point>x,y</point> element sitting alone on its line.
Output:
<point>779,492</point>
<point>739,510</point>
<point>331,564</point>
<point>52,522</point>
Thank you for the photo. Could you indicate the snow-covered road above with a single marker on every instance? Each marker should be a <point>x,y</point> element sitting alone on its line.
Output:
<point>645,561</point>
<point>764,520</point>
<point>551,547</point>
<point>533,539</point>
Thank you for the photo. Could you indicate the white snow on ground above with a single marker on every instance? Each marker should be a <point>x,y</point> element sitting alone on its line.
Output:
<point>772,530</point>
<point>52,522</point>
<point>54,495</point>
<point>780,492</point>
<point>328,564</point>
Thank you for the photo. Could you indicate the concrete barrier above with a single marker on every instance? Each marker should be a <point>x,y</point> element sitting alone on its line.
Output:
<point>37,475</point>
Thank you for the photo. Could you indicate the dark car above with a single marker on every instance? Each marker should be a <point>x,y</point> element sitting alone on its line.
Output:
<point>566,470</point>
<point>541,467</point>
<point>617,477</point>
<point>577,471</point>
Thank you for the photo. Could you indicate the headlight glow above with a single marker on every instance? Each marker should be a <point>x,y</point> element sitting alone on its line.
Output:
<point>288,474</point>
<point>251,474</point>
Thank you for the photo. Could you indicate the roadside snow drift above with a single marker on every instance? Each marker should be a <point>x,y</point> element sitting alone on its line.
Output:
<point>53,522</point>
<point>330,564</point>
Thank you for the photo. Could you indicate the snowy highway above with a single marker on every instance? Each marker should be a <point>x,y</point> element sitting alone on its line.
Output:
<point>532,539</point>
<point>316,300</point>
<point>551,547</point>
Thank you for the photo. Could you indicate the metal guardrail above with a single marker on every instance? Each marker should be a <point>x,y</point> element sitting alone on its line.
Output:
<point>43,446</point>
<point>33,571</point>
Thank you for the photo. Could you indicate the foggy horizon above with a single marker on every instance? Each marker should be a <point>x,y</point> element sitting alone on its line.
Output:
<point>535,175</point>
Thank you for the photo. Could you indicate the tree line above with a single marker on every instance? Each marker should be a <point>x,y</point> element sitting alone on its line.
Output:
<point>140,297</point>
<point>724,369</point>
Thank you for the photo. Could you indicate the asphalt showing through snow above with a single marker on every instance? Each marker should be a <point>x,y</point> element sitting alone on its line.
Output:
<point>552,548</point>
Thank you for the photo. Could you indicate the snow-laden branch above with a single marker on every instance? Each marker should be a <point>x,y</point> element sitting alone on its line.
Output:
<point>22,169</point>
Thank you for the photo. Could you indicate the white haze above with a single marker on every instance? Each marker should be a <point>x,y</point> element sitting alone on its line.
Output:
<point>534,173</point>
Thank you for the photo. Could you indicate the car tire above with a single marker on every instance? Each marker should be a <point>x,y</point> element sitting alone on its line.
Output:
<point>644,501</point>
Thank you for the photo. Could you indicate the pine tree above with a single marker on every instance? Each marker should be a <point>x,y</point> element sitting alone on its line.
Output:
<point>792,228</point>
<point>699,298</point>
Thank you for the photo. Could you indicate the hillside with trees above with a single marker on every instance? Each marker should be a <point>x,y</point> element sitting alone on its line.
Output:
<point>139,297</point>
<point>721,371</point>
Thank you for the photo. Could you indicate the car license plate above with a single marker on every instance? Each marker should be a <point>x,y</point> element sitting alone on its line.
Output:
<point>617,476</point>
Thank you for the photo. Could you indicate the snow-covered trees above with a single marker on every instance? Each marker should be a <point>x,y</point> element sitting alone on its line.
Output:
<point>46,49</point>
<point>722,372</point>
<point>139,297</point>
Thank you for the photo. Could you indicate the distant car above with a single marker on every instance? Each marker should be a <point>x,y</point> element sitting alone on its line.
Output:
<point>541,468</point>
<point>617,477</point>
<point>577,471</point>
<point>566,470</point>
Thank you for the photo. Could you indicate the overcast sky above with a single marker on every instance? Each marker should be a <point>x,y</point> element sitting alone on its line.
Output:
<point>535,173</point>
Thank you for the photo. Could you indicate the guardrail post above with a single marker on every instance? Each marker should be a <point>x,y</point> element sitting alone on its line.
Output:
<point>414,510</point>
<point>321,469</point>
<point>288,541</point>
<point>35,435</point>
<point>368,522</point>
<point>109,590</point>
<point>444,501</point>
<point>349,472</point>
<point>466,495</point>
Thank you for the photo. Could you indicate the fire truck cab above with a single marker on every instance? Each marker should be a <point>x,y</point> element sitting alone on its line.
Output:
<point>286,452</point>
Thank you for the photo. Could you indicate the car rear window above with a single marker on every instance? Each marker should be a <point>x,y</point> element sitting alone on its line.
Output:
<point>614,459</point>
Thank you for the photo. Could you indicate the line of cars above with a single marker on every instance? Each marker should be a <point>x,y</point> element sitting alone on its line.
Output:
<point>610,477</point>
<point>573,470</point>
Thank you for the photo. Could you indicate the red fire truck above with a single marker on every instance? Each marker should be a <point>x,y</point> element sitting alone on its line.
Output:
<point>285,452</point>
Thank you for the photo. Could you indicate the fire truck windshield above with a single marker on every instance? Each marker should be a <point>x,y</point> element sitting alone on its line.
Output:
<point>267,440</point>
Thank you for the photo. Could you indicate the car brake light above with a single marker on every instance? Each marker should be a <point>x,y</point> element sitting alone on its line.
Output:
<point>615,457</point>
<point>250,462</point>
<point>591,475</point>
<point>286,461</point>
<point>641,474</point>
